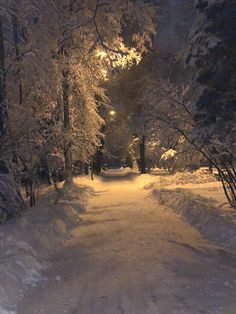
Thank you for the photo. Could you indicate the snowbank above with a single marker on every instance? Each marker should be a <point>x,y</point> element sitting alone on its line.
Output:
<point>198,197</point>
<point>25,243</point>
<point>216,223</point>
<point>196,177</point>
<point>199,176</point>
<point>159,178</point>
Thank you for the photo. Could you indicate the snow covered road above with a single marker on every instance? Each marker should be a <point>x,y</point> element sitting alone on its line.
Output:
<point>130,256</point>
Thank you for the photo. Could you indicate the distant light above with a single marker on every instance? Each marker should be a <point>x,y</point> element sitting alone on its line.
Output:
<point>112,112</point>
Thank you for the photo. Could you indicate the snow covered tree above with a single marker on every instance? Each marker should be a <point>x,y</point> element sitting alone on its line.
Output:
<point>212,55</point>
<point>2,81</point>
<point>55,56</point>
<point>30,92</point>
<point>91,50</point>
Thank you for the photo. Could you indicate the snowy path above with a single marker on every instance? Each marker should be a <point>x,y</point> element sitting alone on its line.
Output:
<point>129,256</point>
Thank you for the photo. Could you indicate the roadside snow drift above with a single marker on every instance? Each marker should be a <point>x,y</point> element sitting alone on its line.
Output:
<point>27,241</point>
<point>198,202</point>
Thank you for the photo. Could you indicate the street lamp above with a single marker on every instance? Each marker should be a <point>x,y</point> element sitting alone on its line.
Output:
<point>112,112</point>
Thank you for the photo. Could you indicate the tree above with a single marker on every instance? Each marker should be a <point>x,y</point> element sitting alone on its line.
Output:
<point>201,112</point>
<point>212,55</point>
<point>3,112</point>
<point>101,50</point>
<point>118,137</point>
<point>126,89</point>
<point>58,56</point>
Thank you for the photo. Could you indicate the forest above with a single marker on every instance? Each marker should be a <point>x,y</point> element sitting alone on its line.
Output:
<point>65,65</point>
<point>89,86</point>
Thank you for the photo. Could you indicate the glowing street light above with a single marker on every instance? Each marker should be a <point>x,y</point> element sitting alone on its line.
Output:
<point>112,112</point>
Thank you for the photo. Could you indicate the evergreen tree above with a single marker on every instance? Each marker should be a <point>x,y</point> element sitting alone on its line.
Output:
<point>212,54</point>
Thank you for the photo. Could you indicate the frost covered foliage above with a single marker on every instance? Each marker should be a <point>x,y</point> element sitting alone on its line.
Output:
<point>169,154</point>
<point>167,119</point>
<point>167,160</point>
<point>158,110</point>
<point>200,116</point>
<point>54,59</point>
<point>11,202</point>
<point>196,177</point>
<point>31,126</point>
<point>212,54</point>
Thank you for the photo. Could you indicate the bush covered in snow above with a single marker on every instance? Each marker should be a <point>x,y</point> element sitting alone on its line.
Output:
<point>198,176</point>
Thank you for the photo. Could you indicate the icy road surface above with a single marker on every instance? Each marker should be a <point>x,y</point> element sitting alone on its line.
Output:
<point>130,256</point>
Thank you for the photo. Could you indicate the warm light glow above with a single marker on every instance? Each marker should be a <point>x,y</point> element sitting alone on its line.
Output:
<point>102,54</point>
<point>112,112</point>
<point>123,59</point>
<point>104,74</point>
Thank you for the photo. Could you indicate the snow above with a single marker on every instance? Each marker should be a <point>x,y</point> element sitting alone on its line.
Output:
<point>125,254</point>
<point>130,255</point>
<point>27,242</point>
<point>202,213</point>
<point>4,311</point>
<point>169,154</point>
<point>198,197</point>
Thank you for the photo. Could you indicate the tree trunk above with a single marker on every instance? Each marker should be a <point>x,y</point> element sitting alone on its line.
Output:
<point>17,51</point>
<point>32,193</point>
<point>91,168</point>
<point>67,128</point>
<point>98,161</point>
<point>86,168</point>
<point>142,155</point>
<point>3,108</point>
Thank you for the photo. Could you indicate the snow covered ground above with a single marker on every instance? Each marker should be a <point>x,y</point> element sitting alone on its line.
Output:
<point>26,243</point>
<point>199,198</point>
<point>125,254</point>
